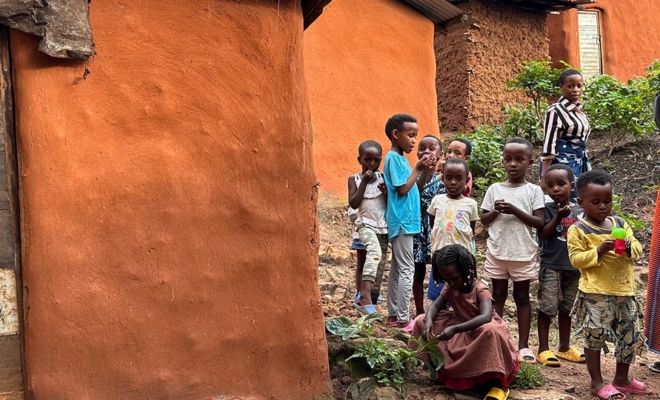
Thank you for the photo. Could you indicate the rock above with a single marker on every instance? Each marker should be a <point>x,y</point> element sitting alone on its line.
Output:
<point>362,389</point>
<point>384,393</point>
<point>466,396</point>
<point>346,380</point>
<point>570,389</point>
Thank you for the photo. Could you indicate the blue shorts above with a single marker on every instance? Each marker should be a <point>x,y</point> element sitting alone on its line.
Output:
<point>357,245</point>
<point>434,290</point>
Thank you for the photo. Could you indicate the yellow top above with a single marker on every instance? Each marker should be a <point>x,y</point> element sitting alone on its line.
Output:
<point>610,274</point>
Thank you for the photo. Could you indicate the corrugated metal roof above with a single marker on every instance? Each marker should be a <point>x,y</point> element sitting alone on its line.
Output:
<point>548,5</point>
<point>438,11</point>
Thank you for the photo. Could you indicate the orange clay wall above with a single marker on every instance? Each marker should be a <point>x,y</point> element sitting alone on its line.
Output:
<point>365,61</point>
<point>168,210</point>
<point>630,38</point>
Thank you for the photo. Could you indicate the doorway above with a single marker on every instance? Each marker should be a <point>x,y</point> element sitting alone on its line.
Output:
<point>590,43</point>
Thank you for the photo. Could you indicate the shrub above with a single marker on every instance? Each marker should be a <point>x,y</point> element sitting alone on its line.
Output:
<point>538,81</point>
<point>616,110</point>
<point>486,159</point>
<point>522,121</point>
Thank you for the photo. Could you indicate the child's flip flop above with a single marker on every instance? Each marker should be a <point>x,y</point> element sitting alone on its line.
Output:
<point>526,355</point>
<point>635,387</point>
<point>573,355</point>
<point>496,393</point>
<point>609,392</point>
<point>365,310</point>
<point>548,358</point>
<point>655,366</point>
<point>409,328</point>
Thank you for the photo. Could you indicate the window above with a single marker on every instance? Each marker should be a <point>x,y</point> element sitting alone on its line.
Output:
<point>589,42</point>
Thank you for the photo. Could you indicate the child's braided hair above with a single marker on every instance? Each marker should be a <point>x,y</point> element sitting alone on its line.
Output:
<point>459,256</point>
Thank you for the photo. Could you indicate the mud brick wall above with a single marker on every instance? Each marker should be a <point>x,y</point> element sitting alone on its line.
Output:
<point>473,63</point>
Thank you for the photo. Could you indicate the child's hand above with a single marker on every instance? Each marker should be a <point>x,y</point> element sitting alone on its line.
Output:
<point>428,329</point>
<point>606,246</point>
<point>564,211</point>
<point>367,177</point>
<point>628,244</point>
<point>440,166</point>
<point>447,334</point>
<point>383,187</point>
<point>423,162</point>
<point>505,207</point>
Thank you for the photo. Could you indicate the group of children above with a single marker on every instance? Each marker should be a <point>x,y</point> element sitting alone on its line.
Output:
<point>427,216</point>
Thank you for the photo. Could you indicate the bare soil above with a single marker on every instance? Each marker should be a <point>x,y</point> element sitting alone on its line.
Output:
<point>635,170</point>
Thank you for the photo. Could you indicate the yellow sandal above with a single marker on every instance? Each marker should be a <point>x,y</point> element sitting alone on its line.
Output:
<point>573,355</point>
<point>548,358</point>
<point>497,394</point>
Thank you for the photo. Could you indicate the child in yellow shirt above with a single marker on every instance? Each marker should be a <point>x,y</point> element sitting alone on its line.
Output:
<point>606,307</point>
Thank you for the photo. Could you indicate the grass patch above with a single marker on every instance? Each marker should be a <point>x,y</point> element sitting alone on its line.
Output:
<point>529,377</point>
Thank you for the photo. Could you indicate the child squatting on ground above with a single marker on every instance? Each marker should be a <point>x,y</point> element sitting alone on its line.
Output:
<point>367,195</point>
<point>474,340</point>
<point>558,279</point>
<point>433,186</point>
<point>606,307</point>
<point>511,210</point>
<point>453,216</point>
<point>403,214</point>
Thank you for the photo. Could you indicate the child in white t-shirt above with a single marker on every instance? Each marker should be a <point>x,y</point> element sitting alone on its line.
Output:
<point>511,210</point>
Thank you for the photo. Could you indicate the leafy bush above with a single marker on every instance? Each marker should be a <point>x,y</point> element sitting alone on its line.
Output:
<point>616,110</point>
<point>522,121</point>
<point>631,218</point>
<point>389,365</point>
<point>538,81</point>
<point>347,329</point>
<point>486,159</point>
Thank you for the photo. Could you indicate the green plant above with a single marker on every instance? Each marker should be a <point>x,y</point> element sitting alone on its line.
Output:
<point>631,218</point>
<point>538,81</point>
<point>522,121</point>
<point>529,377</point>
<point>390,366</point>
<point>650,187</point>
<point>347,329</point>
<point>486,159</point>
<point>616,110</point>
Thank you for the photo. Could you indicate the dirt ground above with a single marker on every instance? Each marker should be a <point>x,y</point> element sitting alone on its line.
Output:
<point>635,168</point>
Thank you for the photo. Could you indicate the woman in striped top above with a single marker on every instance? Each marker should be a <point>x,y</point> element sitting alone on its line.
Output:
<point>566,130</point>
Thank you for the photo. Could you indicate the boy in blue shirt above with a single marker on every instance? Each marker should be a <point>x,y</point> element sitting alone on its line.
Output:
<point>403,214</point>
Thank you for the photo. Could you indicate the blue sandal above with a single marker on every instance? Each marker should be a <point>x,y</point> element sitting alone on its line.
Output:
<point>365,310</point>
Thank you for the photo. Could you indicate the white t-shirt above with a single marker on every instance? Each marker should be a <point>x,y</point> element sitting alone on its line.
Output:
<point>452,221</point>
<point>509,238</point>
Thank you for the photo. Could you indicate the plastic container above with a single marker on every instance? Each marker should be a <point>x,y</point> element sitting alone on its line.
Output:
<point>619,235</point>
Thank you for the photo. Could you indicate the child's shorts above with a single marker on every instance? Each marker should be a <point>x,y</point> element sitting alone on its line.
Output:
<point>557,290</point>
<point>357,245</point>
<point>515,270</point>
<point>615,319</point>
<point>433,289</point>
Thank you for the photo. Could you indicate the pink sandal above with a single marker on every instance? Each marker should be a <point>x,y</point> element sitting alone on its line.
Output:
<point>635,387</point>
<point>409,328</point>
<point>609,392</point>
